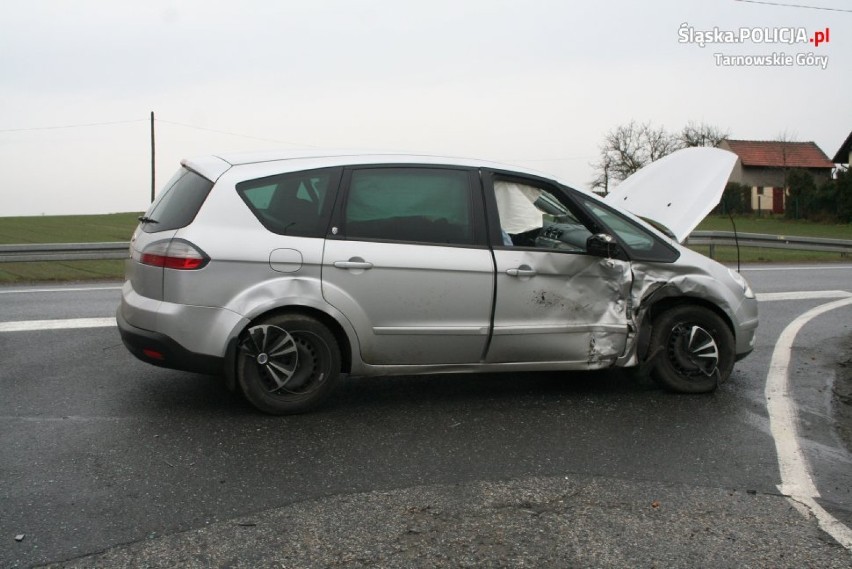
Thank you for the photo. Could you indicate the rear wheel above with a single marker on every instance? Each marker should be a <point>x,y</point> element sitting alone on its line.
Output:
<point>694,349</point>
<point>287,364</point>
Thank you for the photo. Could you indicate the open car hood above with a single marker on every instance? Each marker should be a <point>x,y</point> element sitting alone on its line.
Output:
<point>678,190</point>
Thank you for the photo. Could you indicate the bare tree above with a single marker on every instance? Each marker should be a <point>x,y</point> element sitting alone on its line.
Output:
<point>701,134</point>
<point>660,143</point>
<point>785,138</point>
<point>602,167</point>
<point>628,148</point>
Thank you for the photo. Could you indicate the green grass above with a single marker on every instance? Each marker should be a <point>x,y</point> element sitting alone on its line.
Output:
<point>68,228</point>
<point>61,271</point>
<point>65,229</point>
<point>776,226</point>
<point>120,226</point>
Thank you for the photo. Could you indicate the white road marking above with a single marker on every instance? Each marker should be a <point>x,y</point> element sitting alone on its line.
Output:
<point>35,290</point>
<point>796,481</point>
<point>803,295</point>
<point>68,418</point>
<point>800,268</point>
<point>73,323</point>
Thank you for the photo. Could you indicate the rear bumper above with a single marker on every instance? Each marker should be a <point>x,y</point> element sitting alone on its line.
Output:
<point>161,350</point>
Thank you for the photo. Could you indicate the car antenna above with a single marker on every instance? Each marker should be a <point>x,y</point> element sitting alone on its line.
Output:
<point>736,239</point>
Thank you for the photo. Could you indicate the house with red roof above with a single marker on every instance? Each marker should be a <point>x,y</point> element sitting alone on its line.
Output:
<point>844,153</point>
<point>765,164</point>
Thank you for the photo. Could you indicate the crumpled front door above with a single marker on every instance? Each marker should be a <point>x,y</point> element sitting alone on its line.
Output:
<point>560,307</point>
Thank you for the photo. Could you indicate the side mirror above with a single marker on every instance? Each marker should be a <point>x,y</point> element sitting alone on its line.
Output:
<point>603,245</point>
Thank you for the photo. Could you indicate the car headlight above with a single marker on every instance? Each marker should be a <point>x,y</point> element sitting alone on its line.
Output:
<point>740,280</point>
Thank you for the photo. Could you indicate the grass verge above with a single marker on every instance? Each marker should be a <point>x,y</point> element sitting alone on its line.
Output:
<point>65,229</point>
<point>776,226</point>
<point>773,226</point>
<point>68,228</point>
<point>61,271</point>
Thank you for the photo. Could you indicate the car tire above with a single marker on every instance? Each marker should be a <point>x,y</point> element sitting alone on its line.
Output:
<point>692,349</point>
<point>287,364</point>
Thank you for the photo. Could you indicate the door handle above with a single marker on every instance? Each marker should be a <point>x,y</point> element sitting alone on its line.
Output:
<point>522,271</point>
<point>354,263</point>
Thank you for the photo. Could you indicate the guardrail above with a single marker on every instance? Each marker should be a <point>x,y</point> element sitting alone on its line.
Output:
<point>716,238</point>
<point>119,250</point>
<point>63,252</point>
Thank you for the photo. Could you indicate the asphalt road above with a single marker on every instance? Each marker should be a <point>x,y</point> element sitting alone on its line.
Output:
<point>111,462</point>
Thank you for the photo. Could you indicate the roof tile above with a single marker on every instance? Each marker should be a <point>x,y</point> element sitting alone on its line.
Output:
<point>780,154</point>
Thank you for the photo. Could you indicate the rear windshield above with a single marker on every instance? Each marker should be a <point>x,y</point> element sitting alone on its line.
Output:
<point>179,203</point>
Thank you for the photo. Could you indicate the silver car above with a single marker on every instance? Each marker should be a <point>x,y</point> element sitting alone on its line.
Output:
<point>284,271</point>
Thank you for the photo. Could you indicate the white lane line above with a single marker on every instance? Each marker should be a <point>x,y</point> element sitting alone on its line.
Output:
<point>35,290</point>
<point>803,295</point>
<point>73,323</point>
<point>800,268</point>
<point>796,481</point>
<point>51,419</point>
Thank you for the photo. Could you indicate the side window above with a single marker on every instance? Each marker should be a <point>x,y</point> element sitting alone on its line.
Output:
<point>298,203</point>
<point>531,216</point>
<point>641,243</point>
<point>630,234</point>
<point>424,205</point>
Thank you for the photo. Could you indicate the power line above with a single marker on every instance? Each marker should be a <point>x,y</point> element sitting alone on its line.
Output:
<point>236,134</point>
<point>194,127</point>
<point>69,126</point>
<point>795,6</point>
<point>562,159</point>
<point>107,123</point>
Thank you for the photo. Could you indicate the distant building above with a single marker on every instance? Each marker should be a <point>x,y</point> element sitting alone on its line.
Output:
<point>844,153</point>
<point>764,164</point>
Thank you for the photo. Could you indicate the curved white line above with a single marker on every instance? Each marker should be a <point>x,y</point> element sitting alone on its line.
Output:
<point>796,481</point>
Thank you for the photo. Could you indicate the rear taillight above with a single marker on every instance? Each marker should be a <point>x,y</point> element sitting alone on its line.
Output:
<point>173,254</point>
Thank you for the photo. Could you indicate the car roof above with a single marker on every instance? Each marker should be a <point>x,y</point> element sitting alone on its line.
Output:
<point>213,166</point>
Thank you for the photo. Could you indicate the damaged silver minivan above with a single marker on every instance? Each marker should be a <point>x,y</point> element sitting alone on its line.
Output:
<point>283,271</point>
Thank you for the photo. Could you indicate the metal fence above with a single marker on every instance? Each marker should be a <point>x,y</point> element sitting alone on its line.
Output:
<point>63,252</point>
<point>723,238</point>
<point>101,251</point>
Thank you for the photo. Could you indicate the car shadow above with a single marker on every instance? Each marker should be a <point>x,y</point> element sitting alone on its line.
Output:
<point>533,388</point>
<point>162,392</point>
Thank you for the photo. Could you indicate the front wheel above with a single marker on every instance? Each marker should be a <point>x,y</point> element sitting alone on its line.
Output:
<point>694,349</point>
<point>287,364</point>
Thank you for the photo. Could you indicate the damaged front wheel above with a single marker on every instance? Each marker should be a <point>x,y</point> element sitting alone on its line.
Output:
<point>694,349</point>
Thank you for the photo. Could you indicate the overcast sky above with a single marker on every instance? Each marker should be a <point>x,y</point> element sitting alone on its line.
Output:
<point>537,83</point>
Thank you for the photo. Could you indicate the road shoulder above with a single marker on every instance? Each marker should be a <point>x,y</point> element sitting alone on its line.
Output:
<point>533,522</point>
<point>842,401</point>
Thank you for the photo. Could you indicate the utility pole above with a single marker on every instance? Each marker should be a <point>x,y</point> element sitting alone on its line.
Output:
<point>153,170</point>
